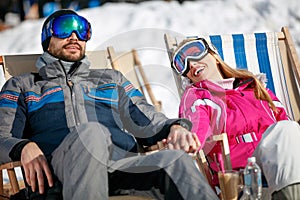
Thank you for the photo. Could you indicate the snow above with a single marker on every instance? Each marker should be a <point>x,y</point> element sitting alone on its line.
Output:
<point>141,26</point>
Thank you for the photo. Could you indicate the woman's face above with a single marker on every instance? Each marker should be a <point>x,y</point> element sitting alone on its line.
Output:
<point>204,69</point>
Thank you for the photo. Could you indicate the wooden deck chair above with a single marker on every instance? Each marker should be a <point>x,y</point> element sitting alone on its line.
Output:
<point>130,65</point>
<point>14,186</point>
<point>271,53</point>
<point>10,66</point>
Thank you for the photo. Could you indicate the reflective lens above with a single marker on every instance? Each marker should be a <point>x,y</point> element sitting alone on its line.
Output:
<point>194,50</point>
<point>63,26</point>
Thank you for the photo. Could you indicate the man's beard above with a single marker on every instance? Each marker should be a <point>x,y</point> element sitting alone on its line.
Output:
<point>71,57</point>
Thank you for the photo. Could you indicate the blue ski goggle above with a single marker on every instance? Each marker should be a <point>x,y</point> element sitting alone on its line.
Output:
<point>192,50</point>
<point>63,26</point>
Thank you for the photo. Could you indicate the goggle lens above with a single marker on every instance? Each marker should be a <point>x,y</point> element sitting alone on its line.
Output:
<point>194,50</point>
<point>63,26</point>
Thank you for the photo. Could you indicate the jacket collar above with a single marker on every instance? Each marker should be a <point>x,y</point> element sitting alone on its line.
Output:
<point>239,84</point>
<point>51,67</point>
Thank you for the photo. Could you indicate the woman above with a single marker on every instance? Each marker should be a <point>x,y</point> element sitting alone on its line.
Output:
<point>222,99</point>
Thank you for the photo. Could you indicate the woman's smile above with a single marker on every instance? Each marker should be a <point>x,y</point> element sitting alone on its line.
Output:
<point>198,70</point>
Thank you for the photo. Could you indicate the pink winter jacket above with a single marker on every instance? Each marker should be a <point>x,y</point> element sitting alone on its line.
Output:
<point>214,110</point>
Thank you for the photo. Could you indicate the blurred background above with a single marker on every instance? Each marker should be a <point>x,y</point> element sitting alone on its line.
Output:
<point>192,17</point>
<point>34,9</point>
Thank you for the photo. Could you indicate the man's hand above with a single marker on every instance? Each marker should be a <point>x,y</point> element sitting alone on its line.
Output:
<point>181,138</point>
<point>35,166</point>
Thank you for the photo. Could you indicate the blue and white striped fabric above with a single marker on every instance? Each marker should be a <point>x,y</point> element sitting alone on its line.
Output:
<point>258,53</point>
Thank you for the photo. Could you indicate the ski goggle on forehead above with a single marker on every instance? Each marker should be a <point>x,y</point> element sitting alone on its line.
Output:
<point>63,26</point>
<point>192,50</point>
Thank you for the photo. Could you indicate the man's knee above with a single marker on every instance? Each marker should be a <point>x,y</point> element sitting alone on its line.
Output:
<point>290,192</point>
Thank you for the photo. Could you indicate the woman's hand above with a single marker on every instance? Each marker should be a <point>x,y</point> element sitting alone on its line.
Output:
<point>35,166</point>
<point>181,138</point>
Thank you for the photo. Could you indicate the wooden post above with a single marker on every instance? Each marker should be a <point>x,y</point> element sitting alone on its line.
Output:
<point>156,103</point>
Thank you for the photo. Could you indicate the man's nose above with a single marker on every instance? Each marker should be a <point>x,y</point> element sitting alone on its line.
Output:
<point>73,36</point>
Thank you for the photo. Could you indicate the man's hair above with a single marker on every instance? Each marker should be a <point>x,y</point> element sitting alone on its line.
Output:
<point>46,41</point>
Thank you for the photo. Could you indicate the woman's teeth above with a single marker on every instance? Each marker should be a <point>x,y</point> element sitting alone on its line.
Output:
<point>198,71</point>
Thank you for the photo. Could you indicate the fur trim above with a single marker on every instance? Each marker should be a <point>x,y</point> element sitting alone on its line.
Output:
<point>262,77</point>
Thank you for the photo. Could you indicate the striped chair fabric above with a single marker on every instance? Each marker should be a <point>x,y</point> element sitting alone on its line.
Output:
<point>258,53</point>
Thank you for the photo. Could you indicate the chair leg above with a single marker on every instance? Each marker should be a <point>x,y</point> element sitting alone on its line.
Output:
<point>222,138</point>
<point>204,167</point>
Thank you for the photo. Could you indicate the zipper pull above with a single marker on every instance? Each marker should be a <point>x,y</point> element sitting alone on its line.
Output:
<point>69,80</point>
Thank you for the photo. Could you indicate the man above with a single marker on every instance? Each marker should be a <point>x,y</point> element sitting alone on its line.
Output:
<point>67,122</point>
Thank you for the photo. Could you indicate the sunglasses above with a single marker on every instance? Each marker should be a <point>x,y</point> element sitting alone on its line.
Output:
<point>63,26</point>
<point>192,50</point>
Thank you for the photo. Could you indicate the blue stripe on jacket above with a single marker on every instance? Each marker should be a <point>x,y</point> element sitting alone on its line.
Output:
<point>9,99</point>
<point>103,94</point>
<point>36,101</point>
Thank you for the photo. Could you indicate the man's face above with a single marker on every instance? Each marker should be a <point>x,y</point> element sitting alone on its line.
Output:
<point>68,49</point>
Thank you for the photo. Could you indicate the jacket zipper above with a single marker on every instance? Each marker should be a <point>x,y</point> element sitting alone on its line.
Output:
<point>73,98</point>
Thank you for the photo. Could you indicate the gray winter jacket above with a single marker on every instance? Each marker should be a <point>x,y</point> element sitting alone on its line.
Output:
<point>44,107</point>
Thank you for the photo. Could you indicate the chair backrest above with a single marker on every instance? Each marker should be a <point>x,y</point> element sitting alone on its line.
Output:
<point>271,53</point>
<point>129,64</point>
<point>13,65</point>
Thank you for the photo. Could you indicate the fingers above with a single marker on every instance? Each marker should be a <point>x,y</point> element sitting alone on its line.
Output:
<point>172,138</point>
<point>27,174</point>
<point>40,175</point>
<point>194,143</point>
<point>34,173</point>
<point>35,167</point>
<point>198,143</point>
<point>170,146</point>
<point>48,174</point>
<point>181,138</point>
<point>32,178</point>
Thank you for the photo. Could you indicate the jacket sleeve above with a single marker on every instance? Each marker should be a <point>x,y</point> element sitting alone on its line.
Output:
<point>140,118</point>
<point>12,120</point>
<point>280,114</point>
<point>197,109</point>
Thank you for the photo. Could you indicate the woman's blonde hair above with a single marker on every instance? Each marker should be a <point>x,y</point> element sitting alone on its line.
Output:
<point>226,71</point>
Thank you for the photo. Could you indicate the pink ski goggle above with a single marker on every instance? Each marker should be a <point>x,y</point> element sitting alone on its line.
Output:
<point>192,50</point>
